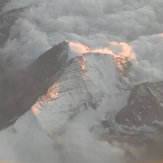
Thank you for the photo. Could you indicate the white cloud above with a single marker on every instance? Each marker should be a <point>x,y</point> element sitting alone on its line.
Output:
<point>95,22</point>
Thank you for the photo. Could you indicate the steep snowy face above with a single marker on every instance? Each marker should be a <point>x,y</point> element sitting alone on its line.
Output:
<point>89,81</point>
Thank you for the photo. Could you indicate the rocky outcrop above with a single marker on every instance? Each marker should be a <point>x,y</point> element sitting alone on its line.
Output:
<point>145,106</point>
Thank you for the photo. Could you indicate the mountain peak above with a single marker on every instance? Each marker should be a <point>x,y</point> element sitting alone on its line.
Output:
<point>85,79</point>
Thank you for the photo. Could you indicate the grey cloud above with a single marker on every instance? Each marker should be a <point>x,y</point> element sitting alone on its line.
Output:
<point>94,22</point>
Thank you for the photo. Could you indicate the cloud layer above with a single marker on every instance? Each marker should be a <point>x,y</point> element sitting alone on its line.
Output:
<point>27,142</point>
<point>95,23</point>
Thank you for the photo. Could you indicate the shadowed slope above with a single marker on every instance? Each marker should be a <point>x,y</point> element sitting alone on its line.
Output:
<point>20,92</point>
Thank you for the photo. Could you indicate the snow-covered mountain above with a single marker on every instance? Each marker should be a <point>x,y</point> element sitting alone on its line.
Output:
<point>72,103</point>
<point>86,82</point>
<point>80,82</point>
<point>62,83</point>
<point>58,86</point>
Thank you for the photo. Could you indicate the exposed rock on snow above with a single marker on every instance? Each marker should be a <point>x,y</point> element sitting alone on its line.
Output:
<point>144,105</point>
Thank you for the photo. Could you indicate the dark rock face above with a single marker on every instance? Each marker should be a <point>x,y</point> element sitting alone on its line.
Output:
<point>145,105</point>
<point>21,90</point>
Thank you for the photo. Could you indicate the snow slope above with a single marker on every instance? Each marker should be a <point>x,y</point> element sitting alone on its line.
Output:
<point>74,99</point>
<point>88,82</point>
